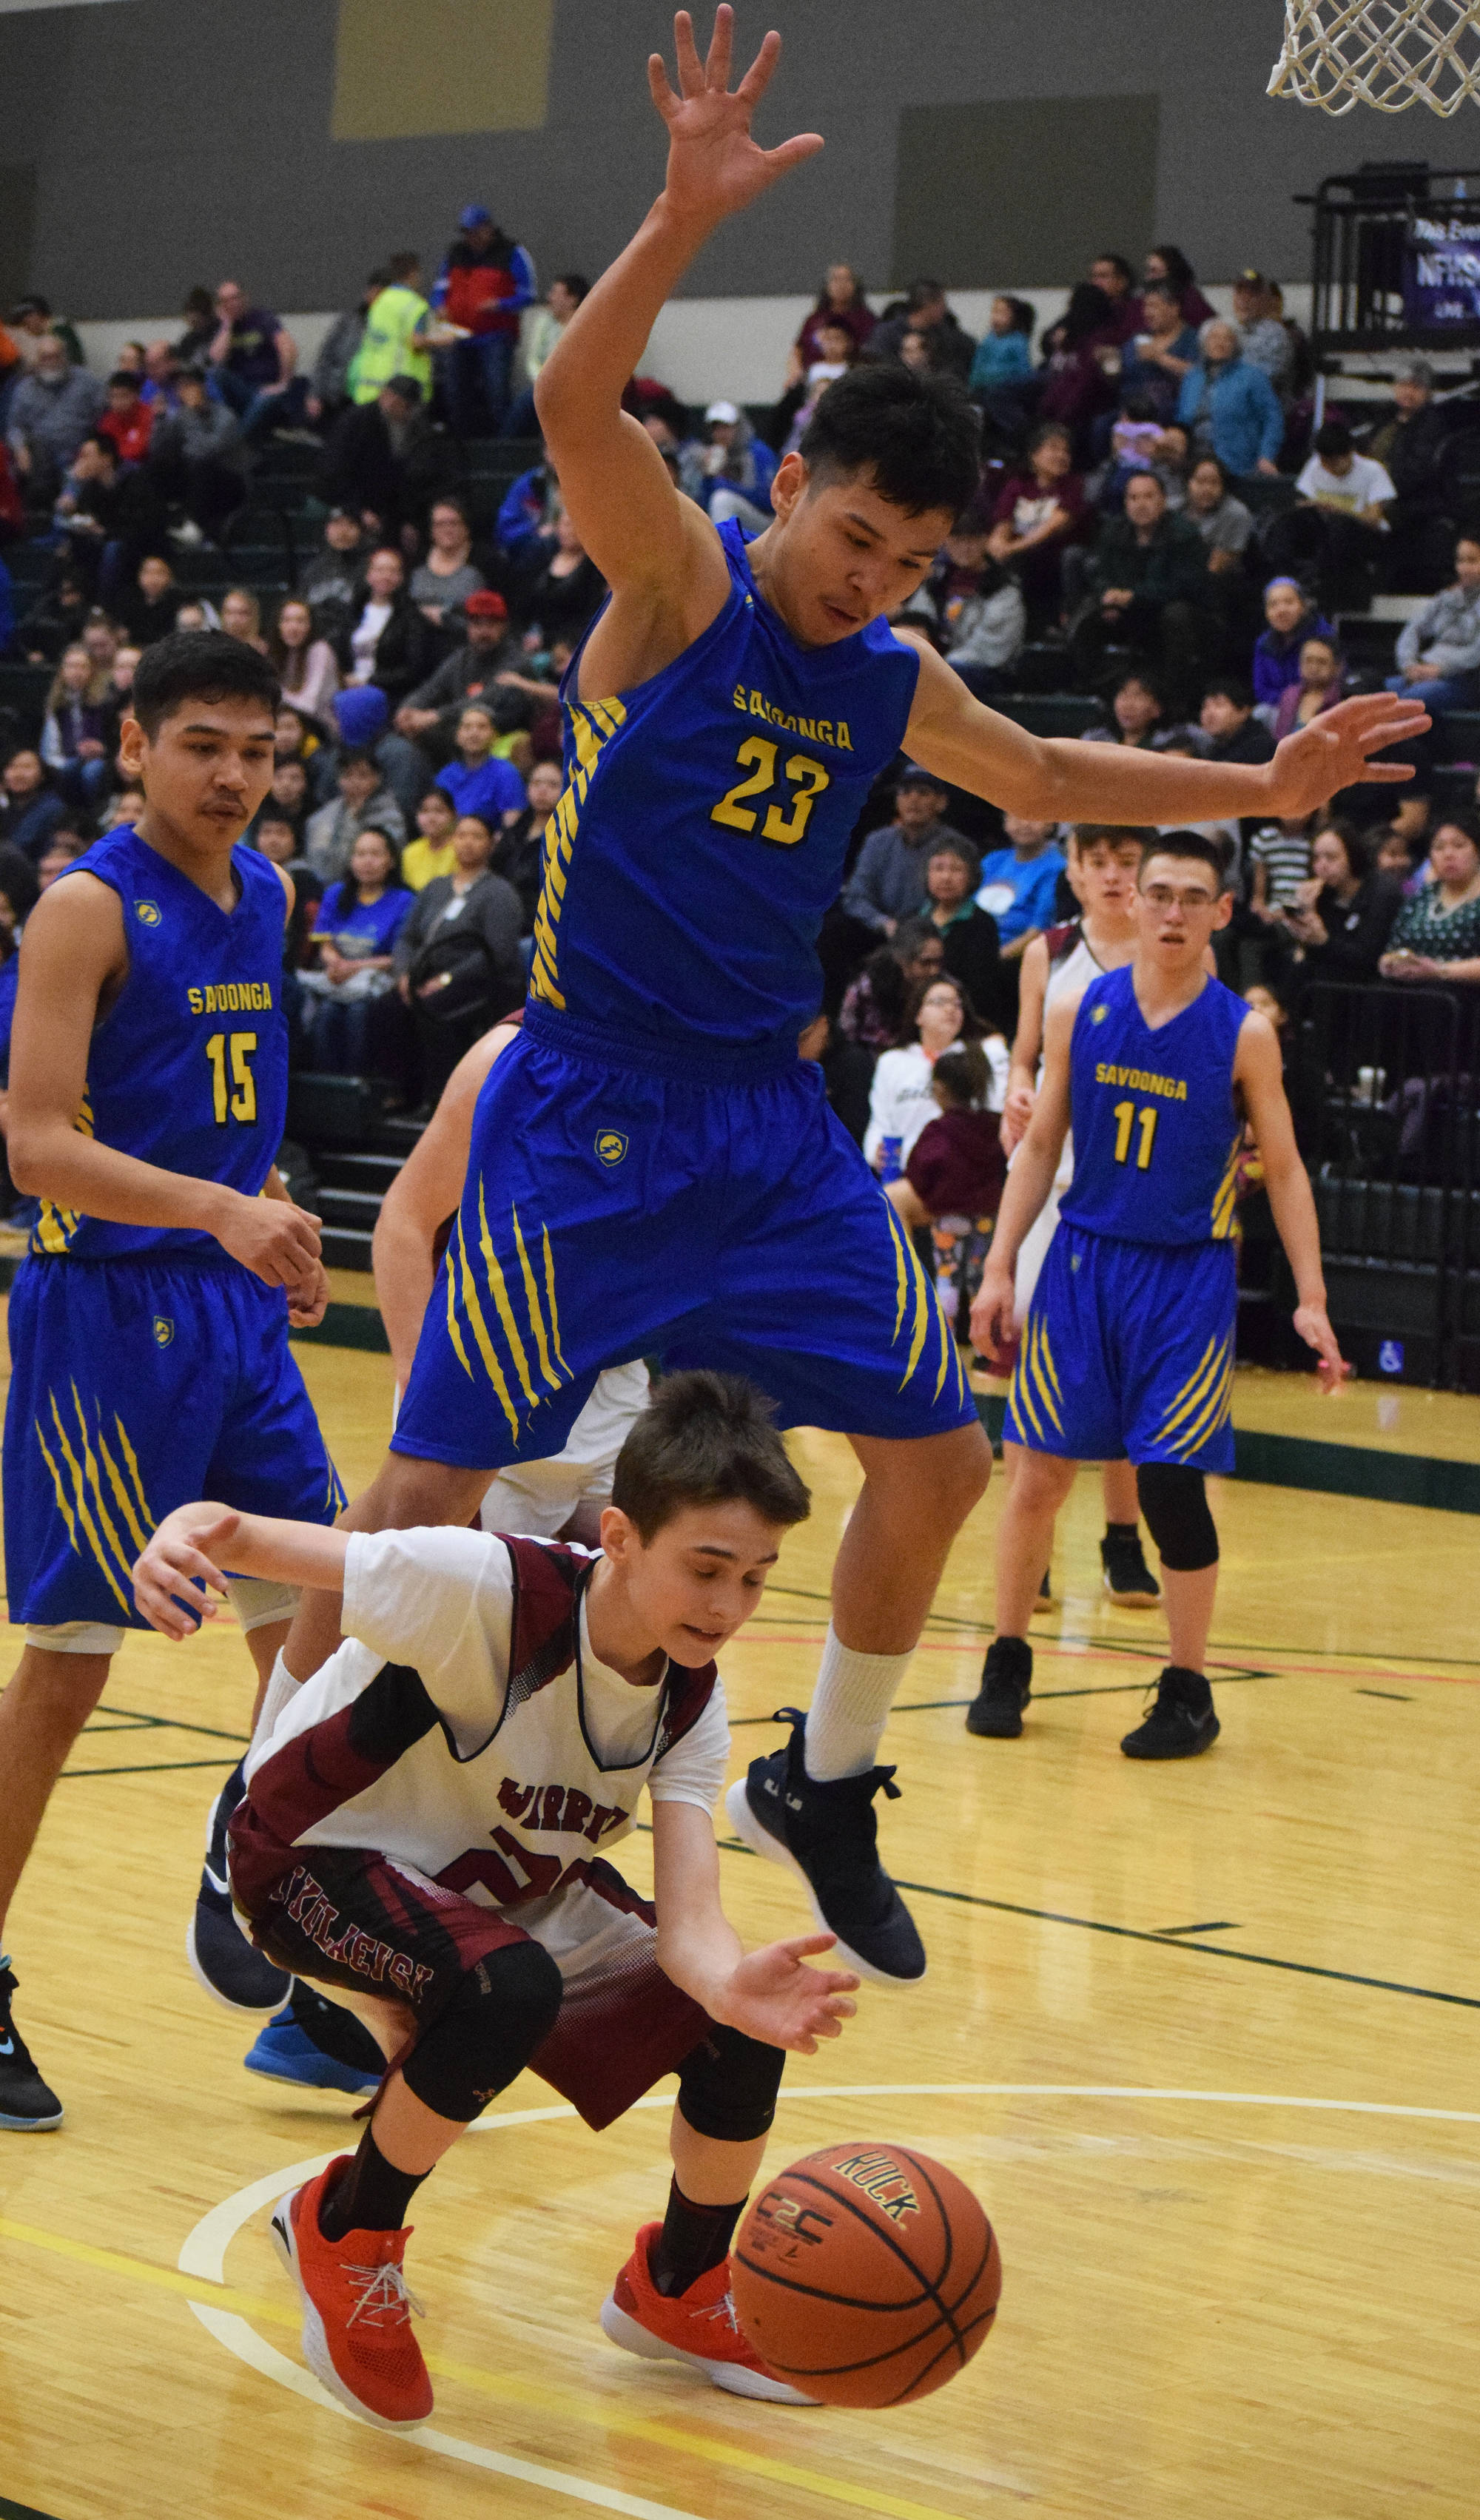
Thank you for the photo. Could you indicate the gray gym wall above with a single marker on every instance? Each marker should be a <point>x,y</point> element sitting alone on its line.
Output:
<point>149,144</point>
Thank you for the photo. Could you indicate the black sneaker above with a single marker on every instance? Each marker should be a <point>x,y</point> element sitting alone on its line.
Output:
<point>827,1835</point>
<point>1181,1724</point>
<point>1128,1578</point>
<point>229,1968</point>
<point>28,2105</point>
<point>995,1713</point>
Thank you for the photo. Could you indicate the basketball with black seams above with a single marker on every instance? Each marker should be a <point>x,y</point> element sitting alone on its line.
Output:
<point>866,2275</point>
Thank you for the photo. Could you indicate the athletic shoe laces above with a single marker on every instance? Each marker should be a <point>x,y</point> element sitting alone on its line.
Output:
<point>386,2298</point>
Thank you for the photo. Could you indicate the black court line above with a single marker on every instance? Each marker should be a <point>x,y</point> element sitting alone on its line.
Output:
<point>1138,1934</point>
<point>1214,1925</point>
<point>1105,1689</point>
<point>170,1723</point>
<point>1398,1699</point>
<point>158,1768</point>
<point>19,2511</point>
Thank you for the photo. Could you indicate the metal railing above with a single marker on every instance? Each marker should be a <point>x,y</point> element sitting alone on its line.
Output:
<point>1385,1088</point>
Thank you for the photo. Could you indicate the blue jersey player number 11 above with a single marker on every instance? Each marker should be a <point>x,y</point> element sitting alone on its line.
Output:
<point>724,718</point>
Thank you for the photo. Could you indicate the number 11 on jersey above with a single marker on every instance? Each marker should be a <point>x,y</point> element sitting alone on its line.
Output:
<point>1125,1123</point>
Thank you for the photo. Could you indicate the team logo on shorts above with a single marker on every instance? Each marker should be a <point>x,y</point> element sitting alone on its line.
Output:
<point>1099,1014</point>
<point>164,1329</point>
<point>611,1145</point>
<point>149,913</point>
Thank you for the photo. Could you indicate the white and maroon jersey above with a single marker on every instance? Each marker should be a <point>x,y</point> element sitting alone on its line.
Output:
<point>465,1730</point>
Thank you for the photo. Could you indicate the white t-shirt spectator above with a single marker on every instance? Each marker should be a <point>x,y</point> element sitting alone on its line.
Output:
<point>900,1101</point>
<point>1368,484</point>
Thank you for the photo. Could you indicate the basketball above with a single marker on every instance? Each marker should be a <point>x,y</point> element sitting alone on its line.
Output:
<point>866,2275</point>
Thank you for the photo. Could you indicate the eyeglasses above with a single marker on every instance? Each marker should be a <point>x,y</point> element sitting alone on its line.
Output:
<point>1168,896</point>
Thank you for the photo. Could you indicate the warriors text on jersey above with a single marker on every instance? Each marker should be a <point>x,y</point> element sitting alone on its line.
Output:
<point>451,1781</point>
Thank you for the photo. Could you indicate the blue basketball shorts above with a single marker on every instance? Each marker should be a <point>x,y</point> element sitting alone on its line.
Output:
<point>626,1201</point>
<point>1128,1352</point>
<point>136,1386</point>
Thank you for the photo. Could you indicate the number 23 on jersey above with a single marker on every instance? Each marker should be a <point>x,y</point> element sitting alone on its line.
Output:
<point>805,780</point>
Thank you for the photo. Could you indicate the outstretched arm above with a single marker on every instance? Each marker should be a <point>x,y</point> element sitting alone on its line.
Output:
<point>1057,779</point>
<point>772,1993</point>
<point>1259,1076</point>
<point>658,551</point>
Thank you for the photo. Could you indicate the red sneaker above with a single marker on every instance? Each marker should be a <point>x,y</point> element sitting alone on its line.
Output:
<point>698,2326</point>
<point>357,2334</point>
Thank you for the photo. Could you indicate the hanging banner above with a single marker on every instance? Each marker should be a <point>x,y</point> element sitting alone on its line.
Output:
<point>1441,272</point>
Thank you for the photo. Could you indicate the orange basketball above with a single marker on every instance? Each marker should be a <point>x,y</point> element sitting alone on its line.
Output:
<point>866,2275</point>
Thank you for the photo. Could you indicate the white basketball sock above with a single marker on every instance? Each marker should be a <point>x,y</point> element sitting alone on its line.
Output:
<point>850,1707</point>
<point>282,1689</point>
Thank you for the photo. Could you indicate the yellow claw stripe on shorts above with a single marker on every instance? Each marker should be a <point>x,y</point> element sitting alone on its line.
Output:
<point>1225,1195</point>
<point>910,1280</point>
<point>81,1460</point>
<point>504,1346</point>
<point>1202,1404</point>
<point>591,723</point>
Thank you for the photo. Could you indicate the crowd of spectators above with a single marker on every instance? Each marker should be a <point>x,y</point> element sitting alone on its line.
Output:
<point>1161,525</point>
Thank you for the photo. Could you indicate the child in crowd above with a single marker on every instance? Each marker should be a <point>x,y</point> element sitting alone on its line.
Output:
<point>952,1180</point>
<point>359,921</point>
<point>429,854</point>
<point>1280,863</point>
<point>489,1723</point>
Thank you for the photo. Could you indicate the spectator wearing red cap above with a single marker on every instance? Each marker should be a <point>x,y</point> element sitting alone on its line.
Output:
<point>487,668</point>
<point>485,283</point>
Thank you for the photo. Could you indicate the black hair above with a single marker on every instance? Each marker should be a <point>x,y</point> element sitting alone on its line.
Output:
<point>1024,312</point>
<point>1143,472</point>
<point>1231,687</point>
<point>1216,463</point>
<point>199,665</point>
<point>1089,310</point>
<point>355,757</point>
<point>885,972</point>
<point>910,935</point>
<point>124,377</point>
<point>1162,289</point>
<point>705,1439</point>
<point>1142,675</point>
<point>1463,818</point>
<point>1119,265</point>
<point>1361,848</point>
<point>470,814</point>
<point>95,437</point>
<point>972,1025</point>
<point>398,265</point>
<point>575,282</point>
<point>1180,271</point>
<point>922,293</point>
<point>1207,851</point>
<point>1138,406</point>
<point>1334,437</point>
<point>407,389</point>
<point>18,880</point>
<point>859,294</point>
<point>1049,429</point>
<point>388,841</point>
<point>1085,835</point>
<point>919,435</point>
<point>960,1074</point>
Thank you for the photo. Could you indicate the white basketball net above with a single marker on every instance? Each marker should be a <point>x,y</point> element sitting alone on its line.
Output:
<point>1388,54</point>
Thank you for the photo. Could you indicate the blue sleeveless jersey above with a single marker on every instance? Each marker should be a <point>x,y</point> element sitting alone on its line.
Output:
<point>1156,1129</point>
<point>189,1068</point>
<point>702,832</point>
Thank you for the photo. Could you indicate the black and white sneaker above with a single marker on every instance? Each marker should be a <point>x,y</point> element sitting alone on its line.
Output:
<point>1181,1724</point>
<point>28,2105</point>
<point>1128,1578</point>
<point>995,1713</point>
<point>225,1964</point>
<point>828,1836</point>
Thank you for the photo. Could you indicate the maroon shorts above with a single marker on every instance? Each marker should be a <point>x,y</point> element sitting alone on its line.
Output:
<point>349,1917</point>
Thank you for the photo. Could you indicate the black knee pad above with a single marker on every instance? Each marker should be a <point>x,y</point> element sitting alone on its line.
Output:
<point>727,2085</point>
<point>503,2010</point>
<point>1174,1501</point>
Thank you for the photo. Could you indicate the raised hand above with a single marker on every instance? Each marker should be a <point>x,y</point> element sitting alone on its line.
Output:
<point>774,1997</point>
<point>1335,750</point>
<point>714,166</point>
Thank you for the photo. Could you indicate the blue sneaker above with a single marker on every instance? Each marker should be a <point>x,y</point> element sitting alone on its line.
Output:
<point>299,2045</point>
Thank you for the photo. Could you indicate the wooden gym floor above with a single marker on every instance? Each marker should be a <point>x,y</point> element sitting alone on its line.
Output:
<point>1203,2039</point>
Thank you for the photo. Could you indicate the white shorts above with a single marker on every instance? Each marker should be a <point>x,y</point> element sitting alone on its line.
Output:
<point>539,1497</point>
